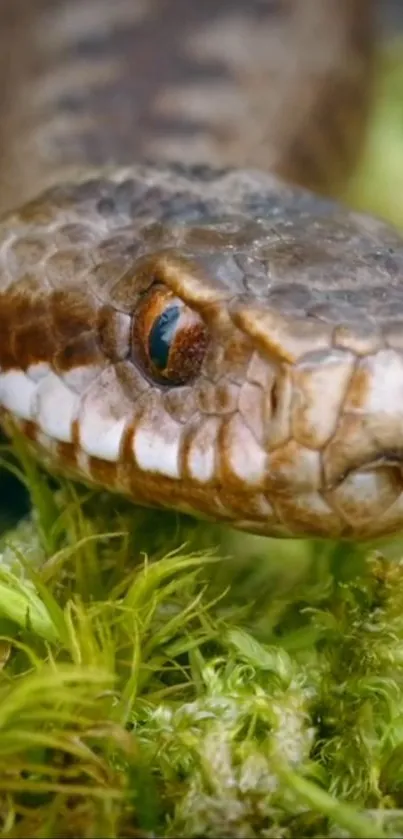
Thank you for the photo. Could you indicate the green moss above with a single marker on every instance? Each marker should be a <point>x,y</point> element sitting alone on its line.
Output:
<point>147,689</point>
<point>159,677</point>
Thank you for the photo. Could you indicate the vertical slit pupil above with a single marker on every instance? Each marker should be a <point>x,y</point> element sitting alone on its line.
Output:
<point>161,335</point>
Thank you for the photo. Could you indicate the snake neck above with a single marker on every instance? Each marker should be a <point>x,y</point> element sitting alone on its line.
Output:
<point>325,92</point>
<point>283,86</point>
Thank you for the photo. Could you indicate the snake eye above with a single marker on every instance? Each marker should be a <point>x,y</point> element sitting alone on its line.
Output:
<point>169,338</point>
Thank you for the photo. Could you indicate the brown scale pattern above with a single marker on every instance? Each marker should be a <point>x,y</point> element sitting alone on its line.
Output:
<point>289,398</point>
<point>285,85</point>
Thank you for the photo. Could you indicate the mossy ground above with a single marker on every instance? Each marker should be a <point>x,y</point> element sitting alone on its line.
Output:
<point>163,678</point>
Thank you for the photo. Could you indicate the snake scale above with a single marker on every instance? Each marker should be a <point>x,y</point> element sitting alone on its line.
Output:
<point>182,320</point>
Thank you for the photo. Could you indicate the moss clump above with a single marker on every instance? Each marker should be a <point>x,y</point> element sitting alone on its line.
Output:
<point>152,694</point>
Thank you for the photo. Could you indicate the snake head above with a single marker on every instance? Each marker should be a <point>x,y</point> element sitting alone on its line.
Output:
<point>213,342</point>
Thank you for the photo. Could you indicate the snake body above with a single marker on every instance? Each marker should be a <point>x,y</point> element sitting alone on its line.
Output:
<point>214,340</point>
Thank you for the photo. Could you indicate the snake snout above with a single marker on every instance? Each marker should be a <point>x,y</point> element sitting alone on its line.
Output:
<point>370,427</point>
<point>334,443</point>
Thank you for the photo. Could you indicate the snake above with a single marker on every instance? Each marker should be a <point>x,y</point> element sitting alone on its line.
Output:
<point>189,315</point>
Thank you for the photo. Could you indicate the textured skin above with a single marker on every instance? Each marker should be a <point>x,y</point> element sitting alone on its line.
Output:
<point>293,425</point>
<point>282,85</point>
